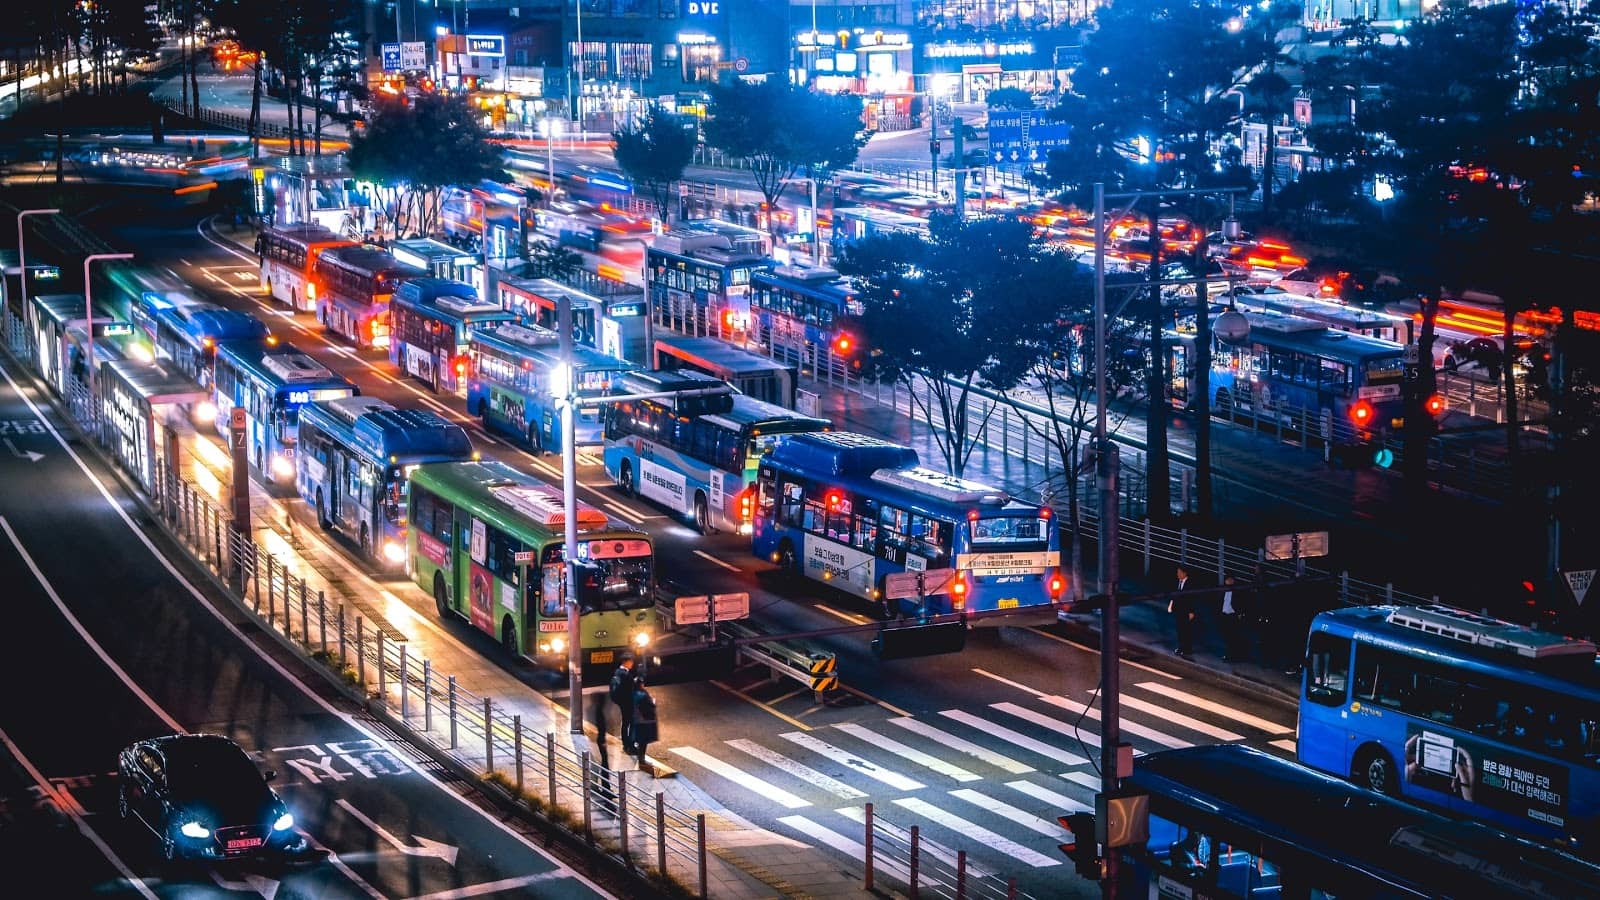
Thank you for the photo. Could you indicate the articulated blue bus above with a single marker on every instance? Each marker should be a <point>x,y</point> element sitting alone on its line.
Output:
<point>1232,821</point>
<point>354,462</point>
<point>696,454</point>
<point>431,319</point>
<point>1489,720</point>
<point>849,510</point>
<point>271,383</point>
<point>510,379</point>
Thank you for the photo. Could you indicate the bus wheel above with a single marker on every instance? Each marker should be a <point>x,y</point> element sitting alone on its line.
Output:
<point>440,598</point>
<point>366,542</point>
<point>625,478</point>
<point>1374,770</point>
<point>702,515</point>
<point>508,637</point>
<point>322,513</point>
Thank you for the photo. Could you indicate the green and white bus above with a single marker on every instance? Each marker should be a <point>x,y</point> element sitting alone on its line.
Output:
<point>486,540</point>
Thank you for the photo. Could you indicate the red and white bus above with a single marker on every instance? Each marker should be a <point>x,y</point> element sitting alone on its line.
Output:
<point>288,255</point>
<point>354,285</point>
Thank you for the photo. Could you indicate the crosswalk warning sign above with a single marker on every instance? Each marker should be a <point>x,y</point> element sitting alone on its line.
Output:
<point>1579,581</point>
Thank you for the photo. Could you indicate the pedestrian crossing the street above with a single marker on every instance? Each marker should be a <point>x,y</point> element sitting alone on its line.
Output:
<point>991,780</point>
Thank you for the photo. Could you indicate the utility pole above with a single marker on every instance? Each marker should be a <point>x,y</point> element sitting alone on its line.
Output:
<point>1157,478</point>
<point>960,168</point>
<point>1201,390</point>
<point>1107,461</point>
<point>569,515</point>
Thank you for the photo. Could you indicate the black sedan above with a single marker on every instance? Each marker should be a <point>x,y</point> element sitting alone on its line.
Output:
<point>204,798</point>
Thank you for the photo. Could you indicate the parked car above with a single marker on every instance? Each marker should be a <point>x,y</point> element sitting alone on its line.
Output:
<point>203,798</point>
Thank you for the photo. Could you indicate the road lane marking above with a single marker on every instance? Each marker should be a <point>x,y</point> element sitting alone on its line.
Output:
<point>1088,780</point>
<point>902,837</point>
<point>1012,737</point>
<point>874,700</point>
<point>949,770</point>
<point>84,829</point>
<point>740,777</point>
<point>726,565</point>
<point>798,769</point>
<point>1227,712</point>
<point>1087,649</point>
<point>1007,811</point>
<point>1006,681</point>
<point>1059,801</point>
<point>622,511</point>
<point>977,833</point>
<point>494,887</point>
<point>760,705</point>
<point>962,745</point>
<point>1179,719</point>
<point>1133,728</point>
<point>855,851</point>
<point>850,760</point>
<point>1051,723</point>
<point>852,618</point>
<point>1286,746</point>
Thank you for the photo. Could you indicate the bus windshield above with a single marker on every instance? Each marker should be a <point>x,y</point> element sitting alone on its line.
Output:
<point>615,584</point>
<point>396,480</point>
<point>1010,532</point>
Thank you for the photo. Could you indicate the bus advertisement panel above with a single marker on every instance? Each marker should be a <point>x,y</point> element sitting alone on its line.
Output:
<point>488,542</point>
<point>288,255</point>
<point>1489,720</point>
<point>353,466</point>
<point>354,285</point>
<point>849,510</point>
<point>512,371</point>
<point>430,319</point>
<point>697,451</point>
<point>271,383</point>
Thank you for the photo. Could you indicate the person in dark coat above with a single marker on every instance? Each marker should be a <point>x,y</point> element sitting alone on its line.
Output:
<point>644,730</point>
<point>624,685</point>
<point>1181,606</point>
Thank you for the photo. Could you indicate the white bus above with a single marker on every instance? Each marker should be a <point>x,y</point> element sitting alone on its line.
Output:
<point>288,255</point>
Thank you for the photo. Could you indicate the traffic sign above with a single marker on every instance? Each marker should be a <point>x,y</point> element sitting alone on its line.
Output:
<point>696,609</point>
<point>1299,545</point>
<point>1579,581</point>
<point>1024,134</point>
<point>741,65</point>
<point>905,585</point>
<point>391,57</point>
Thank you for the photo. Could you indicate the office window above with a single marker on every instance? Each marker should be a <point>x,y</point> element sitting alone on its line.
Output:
<point>632,60</point>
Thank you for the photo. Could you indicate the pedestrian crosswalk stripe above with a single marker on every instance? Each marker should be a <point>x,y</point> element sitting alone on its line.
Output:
<point>740,777</point>
<point>1007,811</point>
<point>839,842</point>
<point>1284,744</point>
<point>902,836</point>
<point>1012,737</point>
<point>1056,801</point>
<point>1056,725</point>
<point>1087,779</point>
<point>962,746</point>
<point>917,756</point>
<point>1227,712</point>
<point>844,757</point>
<point>803,772</point>
<point>971,831</point>
<point>1179,719</point>
<point>1133,728</point>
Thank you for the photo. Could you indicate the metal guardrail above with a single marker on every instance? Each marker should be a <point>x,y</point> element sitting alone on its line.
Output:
<point>814,669</point>
<point>225,120</point>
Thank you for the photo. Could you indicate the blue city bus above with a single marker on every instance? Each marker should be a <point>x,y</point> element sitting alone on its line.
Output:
<point>853,224</point>
<point>353,464</point>
<point>431,319</point>
<point>806,314</point>
<point>849,510</point>
<point>270,382</point>
<point>695,452</point>
<point>1288,363</point>
<point>1489,720</point>
<point>1228,820</point>
<point>509,383</point>
<point>188,332</point>
<point>698,275</point>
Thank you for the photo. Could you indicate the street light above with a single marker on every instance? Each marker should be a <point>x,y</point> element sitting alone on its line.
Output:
<point>88,308</point>
<point>561,386</point>
<point>22,259</point>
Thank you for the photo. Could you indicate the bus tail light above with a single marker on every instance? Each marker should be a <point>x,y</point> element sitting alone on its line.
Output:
<point>1057,585</point>
<point>461,367</point>
<point>958,592</point>
<point>1436,405</point>
<point>1361,413</point>
<point>393,552</point>
<point>311,290</point>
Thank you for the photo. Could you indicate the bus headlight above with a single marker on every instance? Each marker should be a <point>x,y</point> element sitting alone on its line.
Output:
<point>558,645</point>
<point>205,413</point>
<point>393,552</point>
<point>641,639</point>
<point>282,467</point>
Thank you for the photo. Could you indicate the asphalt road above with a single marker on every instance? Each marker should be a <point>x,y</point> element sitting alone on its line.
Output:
<point>111,643</point>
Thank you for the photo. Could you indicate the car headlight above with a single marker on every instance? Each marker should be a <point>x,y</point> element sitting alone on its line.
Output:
<point>195,830</point>
<point>558,645</point>
<point>283,822</point>
<point>641,639</point>
<point>393,552</point>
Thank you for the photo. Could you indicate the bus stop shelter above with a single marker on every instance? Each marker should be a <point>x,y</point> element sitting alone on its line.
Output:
<point>134,397</point>
<point>59,321</point>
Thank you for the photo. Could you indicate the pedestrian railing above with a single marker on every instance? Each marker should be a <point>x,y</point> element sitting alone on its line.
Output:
<point>223,119</point>
<point>902,855</point>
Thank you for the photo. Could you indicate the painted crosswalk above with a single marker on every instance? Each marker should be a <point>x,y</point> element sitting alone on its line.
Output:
<point>1213,707</point>
<point>823,748</point>
<point>798,769</point>
<point>983,754</point>
<point>742,778</point>
<point>883,742</point>
<point>1007,811</point>
<point>1012,737</point>
<point>976,832</point>
<point>1128,727</point>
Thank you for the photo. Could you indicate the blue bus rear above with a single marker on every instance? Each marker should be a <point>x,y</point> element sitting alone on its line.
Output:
<point>1489,720</point>
<point>510,380</point>
<point>270,383</point>
<point>850,510</point>
<point>431,319</point>
<point>353,463</point>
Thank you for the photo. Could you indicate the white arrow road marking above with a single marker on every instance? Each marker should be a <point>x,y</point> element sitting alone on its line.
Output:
<point>29,455</point>
<point>256,884</point>
<point>425,847</point>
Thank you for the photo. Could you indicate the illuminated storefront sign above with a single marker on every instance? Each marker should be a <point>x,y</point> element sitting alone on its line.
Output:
<point>971,50</point>
<point>486,45</point>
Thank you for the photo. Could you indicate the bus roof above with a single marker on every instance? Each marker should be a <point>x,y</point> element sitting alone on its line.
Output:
<point>308,234</point>
<point>749,411</point>
<point>203,321</point>
<point>1304,812</point>
<point>715,355</point>
<point>281,366</point>
<point>535,342</point>
<point>1286,332</point>
<point>450,301</point>
<point>816,281</point>
<point>1473,642</point>
<point>868,464</point>
<point>366,260</point>
<point>401,436</point>
<point>531,508</point>
<point>1336,314</point>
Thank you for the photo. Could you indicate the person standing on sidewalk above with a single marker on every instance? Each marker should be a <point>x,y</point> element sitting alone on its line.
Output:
<point>1231,621</point>
<point>624,684</point>
<point>1181,606</point>
<point>644,731</point>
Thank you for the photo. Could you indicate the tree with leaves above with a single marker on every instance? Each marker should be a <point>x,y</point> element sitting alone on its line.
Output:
<point>413,149</point>
<point>653,152</point>
<point>783,130</point>
<point>972,288</point>
<point>1008,98</point>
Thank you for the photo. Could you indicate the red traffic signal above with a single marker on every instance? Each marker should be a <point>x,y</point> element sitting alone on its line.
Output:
<point>1082,849</point>
<point>1435,405</point>
<point>1361,413</point>
<point>843,344</point>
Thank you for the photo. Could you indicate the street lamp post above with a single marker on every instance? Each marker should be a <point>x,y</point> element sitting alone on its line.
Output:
<point>22,259</point>
<point>88,308</point>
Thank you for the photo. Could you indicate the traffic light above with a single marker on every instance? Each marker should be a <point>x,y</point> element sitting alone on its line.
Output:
<point>1082,849</point>
<point>1435,405</point>
<point>1361,413</point>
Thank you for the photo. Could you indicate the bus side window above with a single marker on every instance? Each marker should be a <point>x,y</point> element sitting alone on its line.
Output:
<point>792,503</point>
<point>866,536</point>
<point>1328,661</point>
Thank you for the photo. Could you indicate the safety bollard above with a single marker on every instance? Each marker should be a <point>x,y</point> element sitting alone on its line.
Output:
<point>661,833</point>
<point>588,807</point>
<point>361,652</point>
<point>700,850</point>
<point>550,762</point>
<point>383,670</point>
<point>622,817</point>
<point>867,842</point>
<point>488,735</point>
<point>916,858</point>
<point>452,699</point>
<point>305,615</point>
<point>344,653</point>
<point>427,696</point>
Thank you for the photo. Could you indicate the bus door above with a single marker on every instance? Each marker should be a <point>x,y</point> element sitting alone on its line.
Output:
<point>549,604</point>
